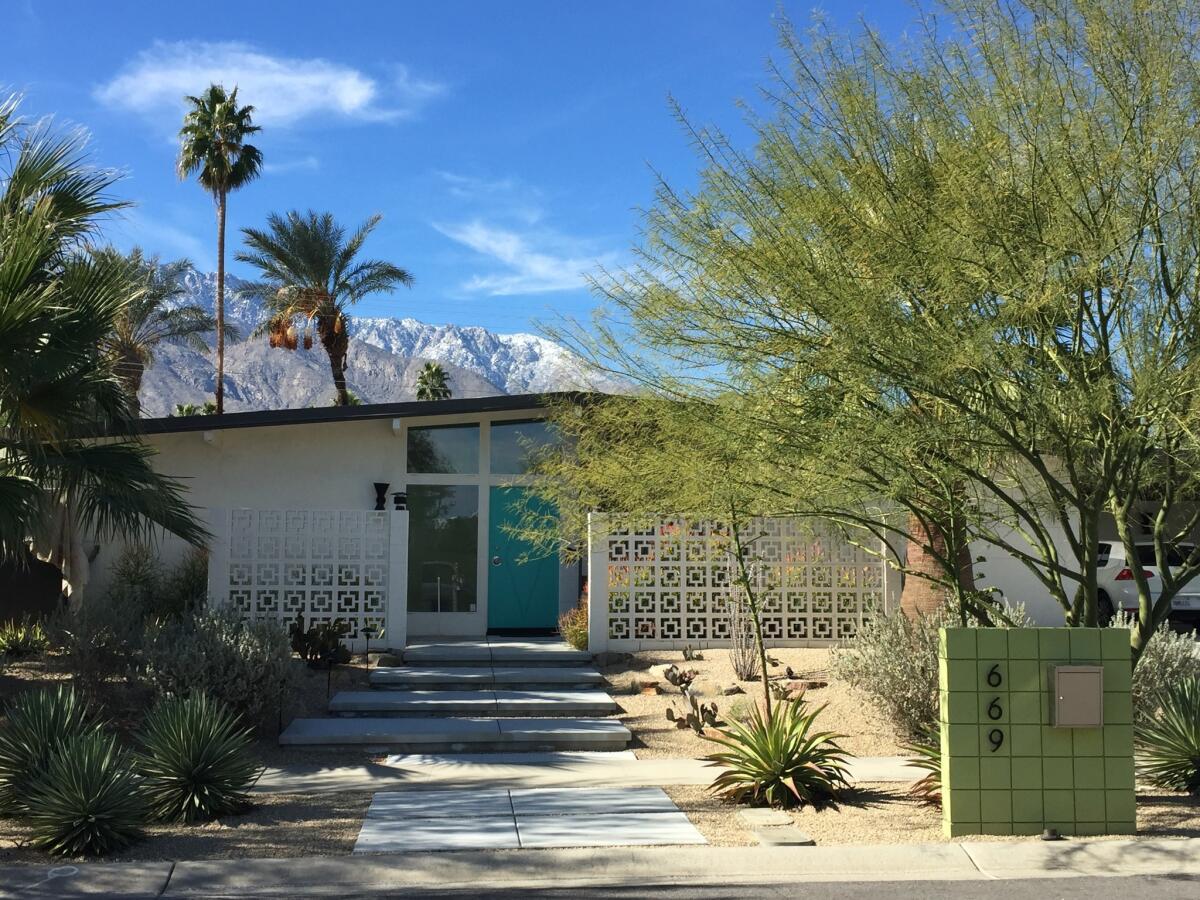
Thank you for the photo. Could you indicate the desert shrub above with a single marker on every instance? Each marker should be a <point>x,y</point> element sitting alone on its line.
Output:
<point>136,579</point>
<point>573,626</point>
<point>743,648</point>
<point>39,723</point>
<point>86,800</point>
<point>893,662</point>
<point>21,639</point>
<point>1169,743</point>
<point>102,638</point>
<point>1167,659</point>
<point>779,760</point>
<point>183,588</point>
<point>245,665</point>
<point>194,760</point>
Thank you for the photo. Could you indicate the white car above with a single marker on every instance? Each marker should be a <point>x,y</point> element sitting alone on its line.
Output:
<point>1118,590</point>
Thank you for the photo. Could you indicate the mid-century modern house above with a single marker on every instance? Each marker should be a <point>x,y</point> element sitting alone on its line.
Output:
<point>396,519</point>
<point>389,516</point>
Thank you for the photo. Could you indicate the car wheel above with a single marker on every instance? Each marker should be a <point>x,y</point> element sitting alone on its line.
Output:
<point>1104,609</point>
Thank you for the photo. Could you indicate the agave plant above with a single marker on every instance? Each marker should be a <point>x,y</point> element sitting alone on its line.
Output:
<point>26,638</point>
<point>39,723</point>
<point>927,756</point>
<point>779,759</point>
<point>194,760</point>
<point>1169,744</point>
<point>86,801</point>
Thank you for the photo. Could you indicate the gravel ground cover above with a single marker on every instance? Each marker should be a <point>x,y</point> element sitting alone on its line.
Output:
<point>866,733</point>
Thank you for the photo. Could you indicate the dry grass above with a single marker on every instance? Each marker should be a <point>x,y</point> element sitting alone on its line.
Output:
<point>866,733</point>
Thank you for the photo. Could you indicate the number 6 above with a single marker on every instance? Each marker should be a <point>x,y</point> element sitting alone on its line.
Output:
<point>994,678</point>
<point>994,709</point>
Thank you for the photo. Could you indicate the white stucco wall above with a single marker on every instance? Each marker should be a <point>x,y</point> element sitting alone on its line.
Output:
<point>329,465</point>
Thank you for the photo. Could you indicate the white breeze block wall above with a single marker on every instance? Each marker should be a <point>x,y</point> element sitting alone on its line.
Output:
<point>667,585</point>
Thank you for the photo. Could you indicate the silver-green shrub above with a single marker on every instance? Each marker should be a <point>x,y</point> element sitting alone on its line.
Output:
<point>893,663</point>
<point>1168,659</point>
<point>246,665</point>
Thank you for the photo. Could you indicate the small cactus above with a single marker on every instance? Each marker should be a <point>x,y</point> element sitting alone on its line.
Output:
<point>681,678</point>
<point>700,715</point>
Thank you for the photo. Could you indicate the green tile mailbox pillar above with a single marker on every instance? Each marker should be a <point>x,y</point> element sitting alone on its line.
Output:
<point>1007,768</point>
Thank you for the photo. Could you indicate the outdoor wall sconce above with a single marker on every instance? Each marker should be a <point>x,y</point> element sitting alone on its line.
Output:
<point>401,498</point>
<point>381,495</point>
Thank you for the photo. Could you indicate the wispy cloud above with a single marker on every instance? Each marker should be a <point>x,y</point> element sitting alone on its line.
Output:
<point>157,235</point>
<point>288,166</point>
<point>532,264</point>
<point>283,90</point>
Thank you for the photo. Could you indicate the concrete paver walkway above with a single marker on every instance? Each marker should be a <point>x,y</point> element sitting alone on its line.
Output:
<point>528,770</point>
<point>500,819</point>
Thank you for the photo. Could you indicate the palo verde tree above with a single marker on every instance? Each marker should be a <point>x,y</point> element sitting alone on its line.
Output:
<point>957,279</point>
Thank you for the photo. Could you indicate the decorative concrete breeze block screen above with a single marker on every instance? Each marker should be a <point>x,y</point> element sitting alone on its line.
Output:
<point>1005,768</point>
<point>326,564</point>
<point>670,583</point>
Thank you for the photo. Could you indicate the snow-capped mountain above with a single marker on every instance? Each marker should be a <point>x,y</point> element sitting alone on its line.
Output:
<point>386,355</point>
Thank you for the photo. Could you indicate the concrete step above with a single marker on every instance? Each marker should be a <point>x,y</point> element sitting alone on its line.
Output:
<point>483,677</point>
<point>524,653</point>
<point>424,735</point>
<point>472,703</point>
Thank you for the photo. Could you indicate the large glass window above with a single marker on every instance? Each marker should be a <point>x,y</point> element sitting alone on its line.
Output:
<point>451,449</point>
<point>515,445</point>
<point>443,547</point>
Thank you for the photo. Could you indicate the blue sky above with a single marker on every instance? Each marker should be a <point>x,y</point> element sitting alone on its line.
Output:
<point>508,145</point>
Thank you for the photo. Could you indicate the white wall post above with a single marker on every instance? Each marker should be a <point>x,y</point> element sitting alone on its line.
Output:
<point>217,520</point>
<point>597,568</point>
<point>396,627</point>
<point>891,579</point>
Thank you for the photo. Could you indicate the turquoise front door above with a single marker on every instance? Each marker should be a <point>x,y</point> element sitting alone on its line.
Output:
<point>520,594</point>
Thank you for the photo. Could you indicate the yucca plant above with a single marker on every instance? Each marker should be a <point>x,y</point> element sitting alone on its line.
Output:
<point>39,723</point>
<point>194,760</point>
<point>1168,745</point>
<point>27,638</point>
<point>87,800</point>
<point>779,759</point>
<point>927,756</point>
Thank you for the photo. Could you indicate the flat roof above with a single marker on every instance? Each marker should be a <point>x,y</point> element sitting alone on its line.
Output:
<point>407,409</point>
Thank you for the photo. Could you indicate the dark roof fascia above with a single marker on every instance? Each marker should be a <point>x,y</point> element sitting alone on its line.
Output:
<point>320,415</point>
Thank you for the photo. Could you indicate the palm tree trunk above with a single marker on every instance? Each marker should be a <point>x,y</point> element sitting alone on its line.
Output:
<point>337,346</point>
<point>925,588</point>
<point>220,302</point>
<point>132,371</point>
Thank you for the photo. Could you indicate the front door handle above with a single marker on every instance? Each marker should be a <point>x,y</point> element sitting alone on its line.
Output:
<point>496,560</point>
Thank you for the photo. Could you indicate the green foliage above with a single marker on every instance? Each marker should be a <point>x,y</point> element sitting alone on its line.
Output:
<point>209,408</point>
<point>432,383</point>
<point>927,756</point>
<point>892,661</point>
<point>1168,744</point>
<point>39,723</point>
<point>194,760</point>
<point>310,271</point>
<point>247,666</point>
<point>696,716</point>
<point>87,800</point>
<point>573,626</point>
<point>321,644</point>
<point>779,759</point>
<point>59,302</point>
<point>25,638</point>
<point>1167,659</point>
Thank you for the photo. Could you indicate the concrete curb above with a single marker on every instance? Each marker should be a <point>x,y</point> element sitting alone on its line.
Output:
<point>641,866</point>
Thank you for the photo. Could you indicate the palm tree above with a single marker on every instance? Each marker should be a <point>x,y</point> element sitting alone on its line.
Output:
<point>213,143</point>
<point>191,409</point>
<point>309,271</point>
<point>432,384</point>
<point>149,318</point>
<point>58,305</point>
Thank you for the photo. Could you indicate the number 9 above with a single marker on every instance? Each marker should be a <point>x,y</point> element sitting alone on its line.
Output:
<point>996,739</point>
<point>994,678</point>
